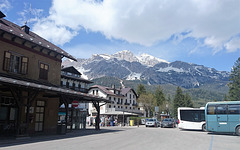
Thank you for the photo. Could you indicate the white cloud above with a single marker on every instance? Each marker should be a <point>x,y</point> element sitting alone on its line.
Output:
<point>144,22</point>
<point>57,33</point>
<point>233,45</point>
<point>4,5</point>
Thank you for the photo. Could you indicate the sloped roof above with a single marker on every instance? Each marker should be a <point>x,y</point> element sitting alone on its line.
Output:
<point>16,30</point>
<point>76,78</point>
<point>33,85</point>
<point>126,90</point>
<point>106,90</point>
<point>71,69</point>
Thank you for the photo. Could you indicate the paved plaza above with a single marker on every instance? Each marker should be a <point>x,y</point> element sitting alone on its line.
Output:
<point>127,138</point>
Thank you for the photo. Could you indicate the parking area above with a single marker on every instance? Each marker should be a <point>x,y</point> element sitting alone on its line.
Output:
<point>124,138</point>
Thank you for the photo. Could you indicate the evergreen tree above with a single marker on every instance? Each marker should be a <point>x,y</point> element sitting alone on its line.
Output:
<point>159,96</point>
<point>178,100</point>
<point>234,85</point>
<point>141,89</point>
<point>188,100</point>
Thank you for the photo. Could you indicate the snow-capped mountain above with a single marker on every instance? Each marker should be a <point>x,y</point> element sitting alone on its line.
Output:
<point>150,60</point>
<point>125,65</point>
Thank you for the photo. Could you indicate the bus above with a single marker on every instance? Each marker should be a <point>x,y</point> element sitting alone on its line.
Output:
<point>191,118</point>
<point>223,117</point>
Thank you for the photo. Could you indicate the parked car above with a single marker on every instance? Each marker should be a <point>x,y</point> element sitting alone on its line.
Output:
<point>152,122</point>
<point>168,122</point>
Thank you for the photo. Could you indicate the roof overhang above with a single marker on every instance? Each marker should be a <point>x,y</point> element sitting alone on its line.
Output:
<point>53,89</point>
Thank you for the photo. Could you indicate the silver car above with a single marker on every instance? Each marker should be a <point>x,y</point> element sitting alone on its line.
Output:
<point>152,122</point>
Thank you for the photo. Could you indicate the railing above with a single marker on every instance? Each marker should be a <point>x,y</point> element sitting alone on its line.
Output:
<point>126,103</point>
<point>83,90</point>
<point>134,104</point>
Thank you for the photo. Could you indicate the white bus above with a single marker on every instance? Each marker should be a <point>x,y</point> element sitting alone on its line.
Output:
<point>191,118</point>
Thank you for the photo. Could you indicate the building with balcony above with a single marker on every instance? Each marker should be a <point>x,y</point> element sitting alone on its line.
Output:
<point>71,79</point>
<point>123,103</point>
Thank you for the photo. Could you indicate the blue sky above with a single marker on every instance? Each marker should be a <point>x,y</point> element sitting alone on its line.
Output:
<point>195,31</point>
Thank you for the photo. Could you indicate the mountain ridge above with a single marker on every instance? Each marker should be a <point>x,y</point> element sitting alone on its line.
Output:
<point>125,65</point>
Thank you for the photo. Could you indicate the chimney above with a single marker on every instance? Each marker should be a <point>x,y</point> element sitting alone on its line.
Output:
<point>25,28</point>
<point>2,15</point>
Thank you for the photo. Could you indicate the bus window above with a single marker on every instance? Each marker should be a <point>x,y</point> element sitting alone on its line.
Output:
<point>221,109</point>
<point>234,109</point>
<point>211,110</point>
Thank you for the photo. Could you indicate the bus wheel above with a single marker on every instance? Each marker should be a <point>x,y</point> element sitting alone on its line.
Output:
<point>238,131</point>
<point>204,128</point>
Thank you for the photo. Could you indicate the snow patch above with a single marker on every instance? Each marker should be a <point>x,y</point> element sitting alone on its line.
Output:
<point>170,68</point>
<point>82,71</point>
<point>134,76</point>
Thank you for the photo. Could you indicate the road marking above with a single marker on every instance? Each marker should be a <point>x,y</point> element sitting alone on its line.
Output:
<point>210,146</point>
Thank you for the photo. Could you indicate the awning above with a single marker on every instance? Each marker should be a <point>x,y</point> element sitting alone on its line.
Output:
<point>119,113</point>
<point>58,90</point>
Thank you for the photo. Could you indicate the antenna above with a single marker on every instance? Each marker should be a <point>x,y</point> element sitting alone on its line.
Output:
<point>29,16</point>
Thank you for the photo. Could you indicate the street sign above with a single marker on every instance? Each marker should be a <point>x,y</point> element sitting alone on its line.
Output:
<point>75,103</point>
<point>156,109</point>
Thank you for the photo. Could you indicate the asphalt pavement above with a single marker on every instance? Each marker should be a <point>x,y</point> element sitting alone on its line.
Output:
<point>127,138</point>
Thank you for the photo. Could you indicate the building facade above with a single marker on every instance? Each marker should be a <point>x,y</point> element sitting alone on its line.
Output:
<point>71,79</point>
<point>123,103</point>
<point>30,78</point>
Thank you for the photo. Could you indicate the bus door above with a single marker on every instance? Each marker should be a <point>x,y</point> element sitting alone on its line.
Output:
<point>222,118</point>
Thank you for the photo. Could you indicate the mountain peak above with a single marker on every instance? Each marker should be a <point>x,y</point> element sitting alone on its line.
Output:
<point>150,60</point>
<point>125,55</point>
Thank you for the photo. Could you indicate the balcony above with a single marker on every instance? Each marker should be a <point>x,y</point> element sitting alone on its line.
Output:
<point>83,90</point>
<point>134,104</point>
<point>119,102</point>
<point>126,103</point>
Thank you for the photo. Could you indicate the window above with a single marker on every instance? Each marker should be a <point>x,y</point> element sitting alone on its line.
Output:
<point>109,106</point>
<point>79,86</point>
<point>24,65</point>
<point>43,74</point>
<point>39,119</point>
<point>221,109</point>
<point>73,86</point>
<point>233,109</point>
<point>15,63</point>
<point>192,115</point>
<point>96,92</point>
<point>67,84</point>
<point>110,98</point>
<point>93,92</point>
<point>211,109</point>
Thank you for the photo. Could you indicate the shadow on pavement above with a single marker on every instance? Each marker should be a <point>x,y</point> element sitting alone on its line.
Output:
<point>11,141</point>
<point>222,133</point>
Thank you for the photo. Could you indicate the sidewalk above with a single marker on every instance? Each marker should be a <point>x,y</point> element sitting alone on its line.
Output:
<point>9,141</point>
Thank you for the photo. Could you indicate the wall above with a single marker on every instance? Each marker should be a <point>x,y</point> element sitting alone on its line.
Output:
<point>54,74</point>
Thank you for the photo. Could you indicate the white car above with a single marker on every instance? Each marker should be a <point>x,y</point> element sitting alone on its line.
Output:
<point>152,122</point>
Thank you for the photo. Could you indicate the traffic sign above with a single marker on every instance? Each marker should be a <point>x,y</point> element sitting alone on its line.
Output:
<point>75,103</point>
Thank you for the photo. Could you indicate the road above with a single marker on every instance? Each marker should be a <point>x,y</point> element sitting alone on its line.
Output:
<point>130,138</point>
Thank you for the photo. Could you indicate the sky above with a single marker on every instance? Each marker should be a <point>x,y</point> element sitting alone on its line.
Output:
<point>204,32</point>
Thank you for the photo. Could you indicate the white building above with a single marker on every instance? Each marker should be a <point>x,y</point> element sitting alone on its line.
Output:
<point>124,102</point>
